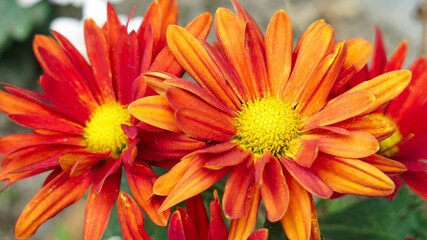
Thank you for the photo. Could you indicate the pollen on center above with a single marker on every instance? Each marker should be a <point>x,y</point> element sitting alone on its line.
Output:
<point>267,124</point>
<point>103,132</point>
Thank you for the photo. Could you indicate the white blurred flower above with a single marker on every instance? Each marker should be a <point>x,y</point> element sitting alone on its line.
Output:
<point>72,28</point>
<point>27,3</point>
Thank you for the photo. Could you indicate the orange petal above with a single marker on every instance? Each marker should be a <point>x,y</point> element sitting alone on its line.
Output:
<point>315,25</point>
<point>303,151</point>
<point>241,228</point>
<point>315,231</point>
<point>379,128</point>
<point>274,190</point>
<point>155,81</point>
<point>101,204</point>
<point>13,141</point>
<point>385,165</point>
<point>359,51</point>
<point>278,51</point>
<point>169,10</point>
<point>131,218</point>
<point>204,125</point>
<point>297,220</point>
<point>58,194</point>
<point>343,107</point>
<point>76,163</point>
<point>321,82</point>
<point>384,87</point>
<point>246,17</point>
<point>235,191</point>
<point>97,50</point>
<point>142,190</point>
<point>165,183</point>
<point>352,176</point>
<point>354,145</point>
<point>255,62</point>
<point>194,58</point>
<point>195,179</point>
<point>166,62</point>
<point>307,178</point>
<point>313,49</point>
<point>155,110</point>
<point>231,157</point>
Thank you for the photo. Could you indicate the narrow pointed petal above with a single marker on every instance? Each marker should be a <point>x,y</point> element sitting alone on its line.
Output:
<point>166,62</point>
<point>278,51</point>
<point>359,51</point>
<point>181,227</point>
<point>47,122</point>
<point>152,19</point>
<point>194,58</point>
<point>155,110</point>
<point>204,125</point>
<point>101,204</point>
<point>169,16</point>
<point>417,181</point>
<point>321,82</point>
<point>313,49</point>
<point>274,190</point>
<point>165,183</point>
<point>342,108</point>
<point>385,87</point>
<point>379,58</point>
<point>197,212</point>
<point>195,180</point>
<point>297,220</point>
<point>352,176</point>
<point>255,62</point>
<point>131,218</point>
<point>235,191</point>
<point>241,228</point>
<point>396,60</point>
<point>142,190</point>
<point>307,178</point>
<point>379,128</point>
<point>217,227</point>
<point>11,104</point>
<point>246,17</point>
<point>97,50</point>
<point>58,194</point>
<point>354,145</point>
<point>315,231</point>
<point>385,165</point>
<point>232,157</point>
<point>13,141</point>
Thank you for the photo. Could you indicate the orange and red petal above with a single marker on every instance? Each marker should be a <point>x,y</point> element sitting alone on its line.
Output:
<point>297,220</point>
<point>343,107</point>
<point>307,178</point>
<point>278,52</point>
<point>205,125</point>
<point>379,128</point>
<point>101,204</point>
<point>235,191</point>
<point>230,158</point>
<point>386,165</point>
<point>303,151</point>
<point>260,234</point>
<point>274,190</point>
<point>76,163</point>
<point>156,111</point>
<point>197,212</point>
<point>352,176</point>
<point>58,194</point>
<point>131,218</point>
<point>181,226</point>
<point>48,122</point>
<point>217,227</point>
<point>11,104</point>
<point>359,51</point>
<point>195,179</point>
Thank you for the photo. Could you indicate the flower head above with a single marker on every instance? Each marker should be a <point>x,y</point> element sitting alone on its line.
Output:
<point>269,119</point>
<point>81,128</point>
<point>408,111</point>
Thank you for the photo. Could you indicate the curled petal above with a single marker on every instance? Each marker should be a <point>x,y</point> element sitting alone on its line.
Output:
<point>385,165</point>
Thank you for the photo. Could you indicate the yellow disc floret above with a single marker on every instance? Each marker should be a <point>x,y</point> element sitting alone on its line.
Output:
<point>267,124</point>
<point>103,132</point>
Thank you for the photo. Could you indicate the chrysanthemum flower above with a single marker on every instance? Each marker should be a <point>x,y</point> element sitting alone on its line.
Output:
<point>81,128</point>
<point>408,111</point>
<point>269,121</point>
<point>189,224</point>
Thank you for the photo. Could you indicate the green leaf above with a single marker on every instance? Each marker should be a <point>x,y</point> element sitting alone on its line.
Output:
<point>275,230</point>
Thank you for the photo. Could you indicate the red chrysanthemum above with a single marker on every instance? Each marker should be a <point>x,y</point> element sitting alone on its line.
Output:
<point>189,224</point>
<point>408,111</point>
<point>269,119</point>
<point>82,130</point>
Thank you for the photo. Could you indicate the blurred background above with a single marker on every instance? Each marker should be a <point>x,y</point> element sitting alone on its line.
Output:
<point>347,218</point>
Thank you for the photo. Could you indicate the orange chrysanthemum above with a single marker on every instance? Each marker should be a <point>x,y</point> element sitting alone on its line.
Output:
<point>269,120</point>
<point>82,130</point>
<point>408,111</point>
<point>189,224</point>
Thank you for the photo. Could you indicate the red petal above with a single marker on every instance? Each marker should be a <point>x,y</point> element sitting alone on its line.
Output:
<point>197,212</point>
<point>379,58</point>
<point>181,227</point>
<point>131,218</point>
<point>101,204</point>
<point>417,181</point>
<point>217,228</point>
<point>396,60</point>
<point>48,122</point>
<point>260,234</point>
<point>50,200</point>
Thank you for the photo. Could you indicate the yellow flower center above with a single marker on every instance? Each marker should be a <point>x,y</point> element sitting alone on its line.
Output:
<point>103,132</point>
<point>267,124</point>
<point>389,146</point>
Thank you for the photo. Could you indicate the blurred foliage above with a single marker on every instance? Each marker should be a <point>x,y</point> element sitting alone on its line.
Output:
<point>17,27</point>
